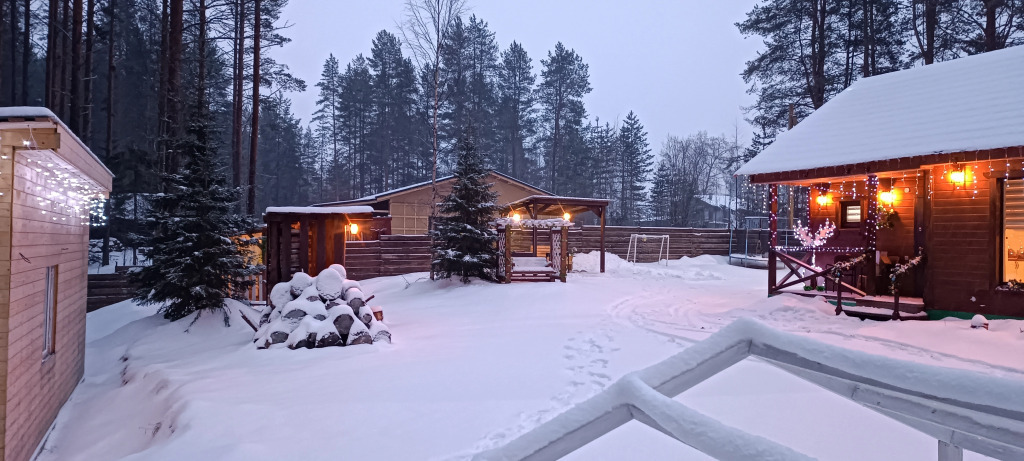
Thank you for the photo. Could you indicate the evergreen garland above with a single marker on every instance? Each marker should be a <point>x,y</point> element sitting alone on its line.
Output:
<point>464,243</point>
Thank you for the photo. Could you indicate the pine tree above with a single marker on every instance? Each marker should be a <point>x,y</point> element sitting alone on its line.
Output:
<point>637,163</point>
<point>565,79</point>
<point>464,244</point>
<point>196,263</point>
<point>517,117</point>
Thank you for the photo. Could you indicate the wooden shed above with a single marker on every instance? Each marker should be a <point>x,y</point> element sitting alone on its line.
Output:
<point>927,161</point>
<point>48,180</point>
<point>309,239</point>
<point>409,206</point>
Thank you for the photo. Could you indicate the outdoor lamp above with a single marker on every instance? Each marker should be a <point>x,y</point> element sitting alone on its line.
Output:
<point>823,199</point>
<point>353,228</point>
<point>516,217</point>
<point>887,198</point>
<point>958,177</point>
<point>566,216</point>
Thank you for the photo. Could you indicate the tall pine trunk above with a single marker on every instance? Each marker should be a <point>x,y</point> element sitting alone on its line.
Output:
<point>76,68</point>
<point>66,59</point>
<point>51,36</point>
<point>111,73</point>
<point>162,134</point>
<point>90,19</point>
<point>13,49</point>
<point>26,51</point>
<point>254,132</point>
<point>175,26</point>
<point>237,97</point>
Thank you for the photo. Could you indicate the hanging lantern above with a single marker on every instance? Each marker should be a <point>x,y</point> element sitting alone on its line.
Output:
<point>516,217</point>
<point>353,228</point>
<point>887,198</point>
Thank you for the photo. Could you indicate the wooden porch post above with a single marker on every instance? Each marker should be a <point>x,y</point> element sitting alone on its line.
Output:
<point>871,235</point>
<point>773,230</point>
<point>564,254</point>
<point>344,242</point>
<point>533,215</point>
<point>273,277</point>
<point>321,243</point>
<point>508,254</point>
<point>604,211</point>
<point>304,243</point>
<point>284,249</point>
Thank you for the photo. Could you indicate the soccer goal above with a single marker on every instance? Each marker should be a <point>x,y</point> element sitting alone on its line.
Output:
<point>645,248</point>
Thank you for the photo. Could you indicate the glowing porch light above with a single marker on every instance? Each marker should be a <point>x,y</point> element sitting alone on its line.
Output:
<point>353,228</point>
<point>566,216</point>
<point>958,177</point>
<point>823,199</point>
<point>516,217</point>
<point>887,197</point>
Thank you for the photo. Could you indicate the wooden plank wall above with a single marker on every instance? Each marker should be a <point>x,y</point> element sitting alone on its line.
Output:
<point>402,254</point>
<point>37,388</point>
<point>961,247</point>
<point>6,184</point>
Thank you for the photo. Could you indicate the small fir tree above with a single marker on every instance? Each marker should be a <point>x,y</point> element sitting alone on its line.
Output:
<point>198,245</point>
<point>464,243</point>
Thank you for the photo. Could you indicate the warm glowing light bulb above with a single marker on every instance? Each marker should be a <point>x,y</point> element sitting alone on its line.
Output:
<point>353,228</point>
<point>516,217</point>
<point>958,177</point>
<point>566,216</point>
<point>823,199</point>
<point>887,197</point>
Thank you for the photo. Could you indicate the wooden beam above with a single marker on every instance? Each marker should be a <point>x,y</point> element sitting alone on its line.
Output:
<point>304,243</point>
<point>603,212</point>
<point>284,248</point>
<point>321,243</point>
<point>37,139</point>
<point>273,276</point>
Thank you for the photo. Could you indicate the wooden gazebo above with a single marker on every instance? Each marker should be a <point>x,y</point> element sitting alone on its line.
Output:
<point>308,239</point>
<point>546,206</point>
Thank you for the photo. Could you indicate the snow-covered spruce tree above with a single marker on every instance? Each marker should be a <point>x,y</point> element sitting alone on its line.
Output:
<point>198,240</point>
<point>464,244</point>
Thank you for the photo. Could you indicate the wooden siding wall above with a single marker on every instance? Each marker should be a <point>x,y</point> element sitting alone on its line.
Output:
<point>962,247</point>
<point>410,210</point>
<point>37,388</point>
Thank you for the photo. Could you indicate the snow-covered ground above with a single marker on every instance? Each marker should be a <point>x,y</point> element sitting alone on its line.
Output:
<point>473,366</point>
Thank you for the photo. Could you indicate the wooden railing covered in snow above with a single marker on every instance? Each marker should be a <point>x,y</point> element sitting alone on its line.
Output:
<point>962,409</point>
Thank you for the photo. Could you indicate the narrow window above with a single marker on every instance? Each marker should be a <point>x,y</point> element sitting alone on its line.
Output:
<point>1013,230</point>
<point>852,214</point>
<point>50,312</point>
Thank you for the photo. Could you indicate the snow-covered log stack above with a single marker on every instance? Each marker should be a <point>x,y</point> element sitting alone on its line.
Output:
<point>324,311</point>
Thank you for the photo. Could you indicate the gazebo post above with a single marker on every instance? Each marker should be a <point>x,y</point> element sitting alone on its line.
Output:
<point>603,212</point>
<point>773,230</point>
<point>532,209</point>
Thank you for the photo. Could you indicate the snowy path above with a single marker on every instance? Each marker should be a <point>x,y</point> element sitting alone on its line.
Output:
<point>474,366</point>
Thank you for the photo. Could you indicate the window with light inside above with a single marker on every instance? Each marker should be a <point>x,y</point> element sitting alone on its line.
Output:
<point>1013,230</point>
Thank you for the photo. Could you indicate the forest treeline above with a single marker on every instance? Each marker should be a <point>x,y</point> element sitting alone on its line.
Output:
<point>125,75</point>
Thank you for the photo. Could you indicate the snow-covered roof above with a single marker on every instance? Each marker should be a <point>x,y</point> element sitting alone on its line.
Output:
<point>964,105</point>
<point>33,112</point>
<point>382,195</point>
<point>719,200</point>
<point>320,209</point>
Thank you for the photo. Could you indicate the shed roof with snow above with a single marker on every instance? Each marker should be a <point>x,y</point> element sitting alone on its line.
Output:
<point>970,104</point>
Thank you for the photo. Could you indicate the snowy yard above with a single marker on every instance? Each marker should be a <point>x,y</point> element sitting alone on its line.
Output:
<point>473,366</point>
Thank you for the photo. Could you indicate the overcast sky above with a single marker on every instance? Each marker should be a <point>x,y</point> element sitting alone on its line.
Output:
<point>676,63</point>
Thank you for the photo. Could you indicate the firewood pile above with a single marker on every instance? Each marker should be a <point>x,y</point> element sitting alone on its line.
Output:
<point>323,311</point>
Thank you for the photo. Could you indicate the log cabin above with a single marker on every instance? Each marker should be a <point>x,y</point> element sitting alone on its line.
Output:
<point>409,207</point>
<point>49,181</point>
<point>926,161</point>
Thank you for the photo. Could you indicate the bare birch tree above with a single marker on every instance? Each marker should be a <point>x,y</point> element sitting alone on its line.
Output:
<point>425,31</point>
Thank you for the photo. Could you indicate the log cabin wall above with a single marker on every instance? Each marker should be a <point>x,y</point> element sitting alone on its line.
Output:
<point>963,243</point>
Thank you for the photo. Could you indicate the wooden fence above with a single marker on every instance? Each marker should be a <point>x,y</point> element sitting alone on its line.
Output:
<point>402,254</point>
<point>391,255</point>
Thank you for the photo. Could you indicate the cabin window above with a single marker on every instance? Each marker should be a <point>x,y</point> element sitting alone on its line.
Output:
<point>852,213</point>
<point>50,312</point>
<point>1013,230</point>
